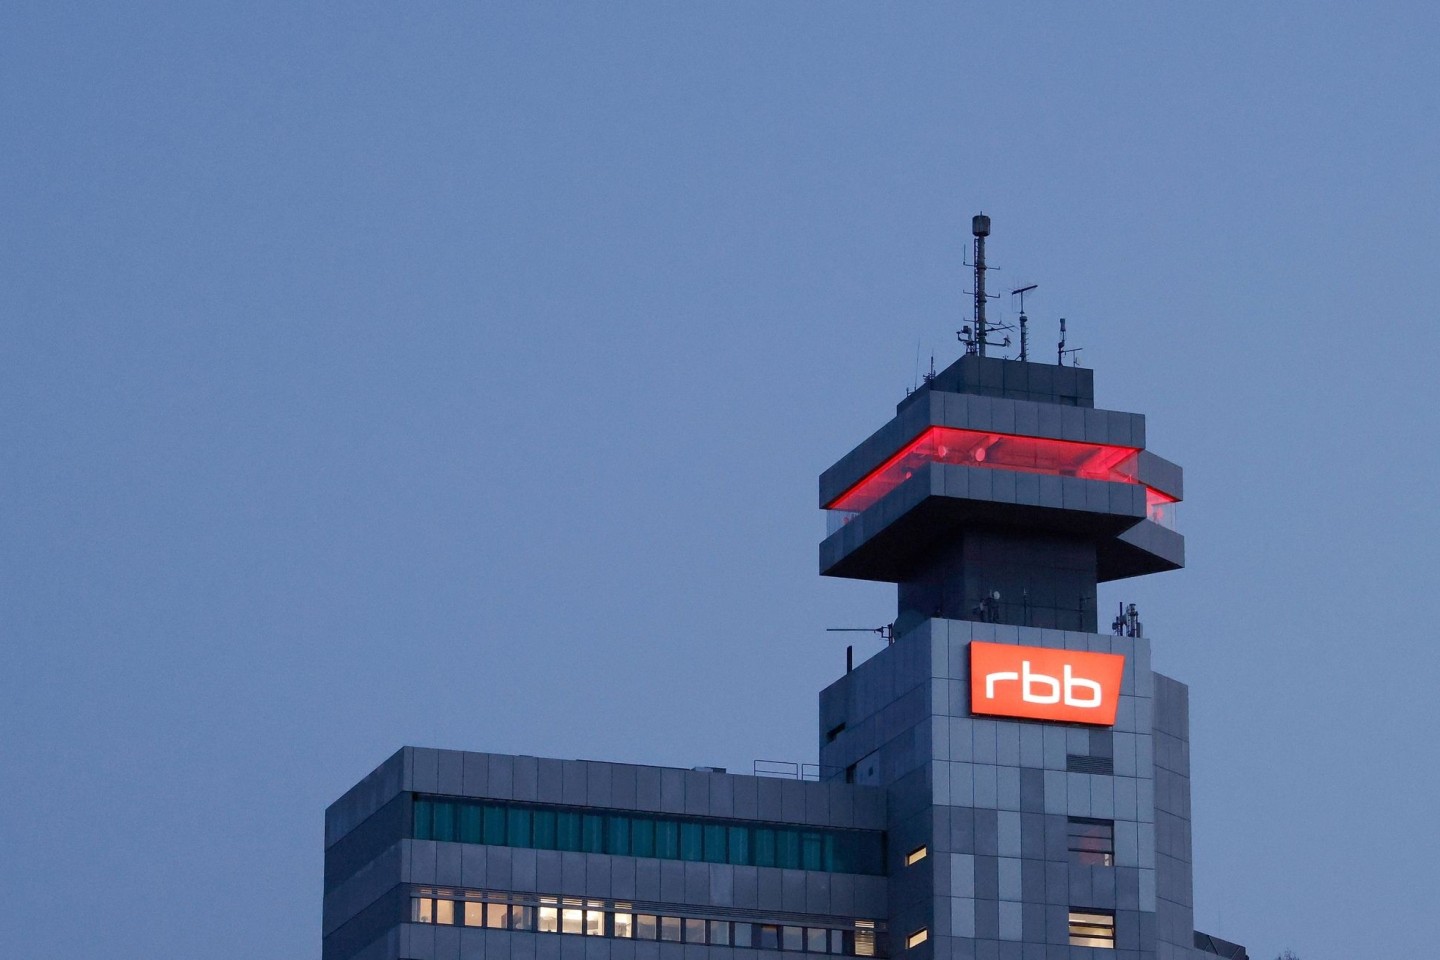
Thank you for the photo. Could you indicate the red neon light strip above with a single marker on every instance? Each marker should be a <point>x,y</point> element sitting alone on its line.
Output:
<point>1002,451</point>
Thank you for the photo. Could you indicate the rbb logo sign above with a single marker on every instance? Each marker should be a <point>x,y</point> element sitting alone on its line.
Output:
<point>1072,686</point>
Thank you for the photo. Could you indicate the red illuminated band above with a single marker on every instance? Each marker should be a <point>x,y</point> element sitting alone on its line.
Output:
<point>1001,451</point>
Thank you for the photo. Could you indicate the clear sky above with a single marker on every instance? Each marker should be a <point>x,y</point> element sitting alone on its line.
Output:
<point>458,374</point>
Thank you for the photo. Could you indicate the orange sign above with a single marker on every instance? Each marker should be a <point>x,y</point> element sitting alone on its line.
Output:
<point>1071,686</point>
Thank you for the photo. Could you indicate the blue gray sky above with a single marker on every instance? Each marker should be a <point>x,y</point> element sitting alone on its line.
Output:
<point>458,374</point>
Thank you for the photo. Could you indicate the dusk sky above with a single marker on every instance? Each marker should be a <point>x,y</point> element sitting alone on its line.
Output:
<point>458,374</point>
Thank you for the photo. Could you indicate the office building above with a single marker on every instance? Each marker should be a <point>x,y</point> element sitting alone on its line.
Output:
<point>1003,781</point>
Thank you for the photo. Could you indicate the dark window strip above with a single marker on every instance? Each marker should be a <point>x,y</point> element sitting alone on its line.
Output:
<point>627,833</point>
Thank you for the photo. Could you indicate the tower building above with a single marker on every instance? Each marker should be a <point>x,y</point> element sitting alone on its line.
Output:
<point>1002,781</point>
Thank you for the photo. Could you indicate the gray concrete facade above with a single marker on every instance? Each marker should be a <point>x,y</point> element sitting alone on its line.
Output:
<point>374,867</point>
<point>990,798</point>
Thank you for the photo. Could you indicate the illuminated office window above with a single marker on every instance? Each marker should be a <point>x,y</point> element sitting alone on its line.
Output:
<point>916,855</point>
<point>497,916</point>
<point>624,924</point>
<point>864,938</point>
<point>422,910</point>
<point>549,916</point>
<point>594,920</point>
<point>1092,928</point>
<point>917,938</point>
<point>444,911</point>
<point>474,914</point>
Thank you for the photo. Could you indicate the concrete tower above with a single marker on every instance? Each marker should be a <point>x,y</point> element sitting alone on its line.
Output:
<point>1036,770</point>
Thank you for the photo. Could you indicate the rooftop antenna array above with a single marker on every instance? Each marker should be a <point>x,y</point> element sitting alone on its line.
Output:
<point>1062,351</point>
<point>1024,320</point>
<point>1128,624</point>
<point>978,338</point>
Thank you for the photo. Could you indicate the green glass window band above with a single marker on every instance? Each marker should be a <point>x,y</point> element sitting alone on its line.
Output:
<point>703,840</point>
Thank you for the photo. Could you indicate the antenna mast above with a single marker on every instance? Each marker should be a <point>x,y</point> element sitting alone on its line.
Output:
<point>1024,320</point>
<point>977,340</point>
<point>980,226</point>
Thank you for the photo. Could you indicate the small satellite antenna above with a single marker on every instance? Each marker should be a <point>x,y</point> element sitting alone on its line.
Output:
<point>1024,320</point>
<point>1073,351</point>
<point>978,338</point>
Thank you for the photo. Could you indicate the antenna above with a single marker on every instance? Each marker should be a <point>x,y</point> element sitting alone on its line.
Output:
<point>1024,320</point>
<point>976,341</point>
<point>886,633</point>
<point>1127,623</point>
<point>1075,351</point>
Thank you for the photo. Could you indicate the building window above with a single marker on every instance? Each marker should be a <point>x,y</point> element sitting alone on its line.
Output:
<point>1092,842</point>
<point>916,855</point>
<point>605,918</point>
<point>549,916</point>
<point>919,937</point>
<point>865,939</point>
<point>1092,928</point>
<point>623,833</point>
<point>792,938</point>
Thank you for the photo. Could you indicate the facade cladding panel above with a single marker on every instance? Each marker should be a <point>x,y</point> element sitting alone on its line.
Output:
<point>1019,826</point>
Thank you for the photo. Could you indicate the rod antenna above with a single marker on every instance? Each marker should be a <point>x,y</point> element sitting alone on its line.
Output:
<point>980,227</point>
<point>1024,320</point>
<point>977,338</point>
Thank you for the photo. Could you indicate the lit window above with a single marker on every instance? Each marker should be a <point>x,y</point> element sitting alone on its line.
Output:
<point>594,923</point>
<point>522,917</point>
<point>864,938</point>
<point>474,914</point>
<point>572,920</point>
<point>624,925</point>
<point>423,910</point>
<point>1092,928</point>
<point>444,911</point>
<point>917,938</point>
<point>497,915</point>
<point>549,921</point>
<point>1092,842</point>
<point>916,855</point>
